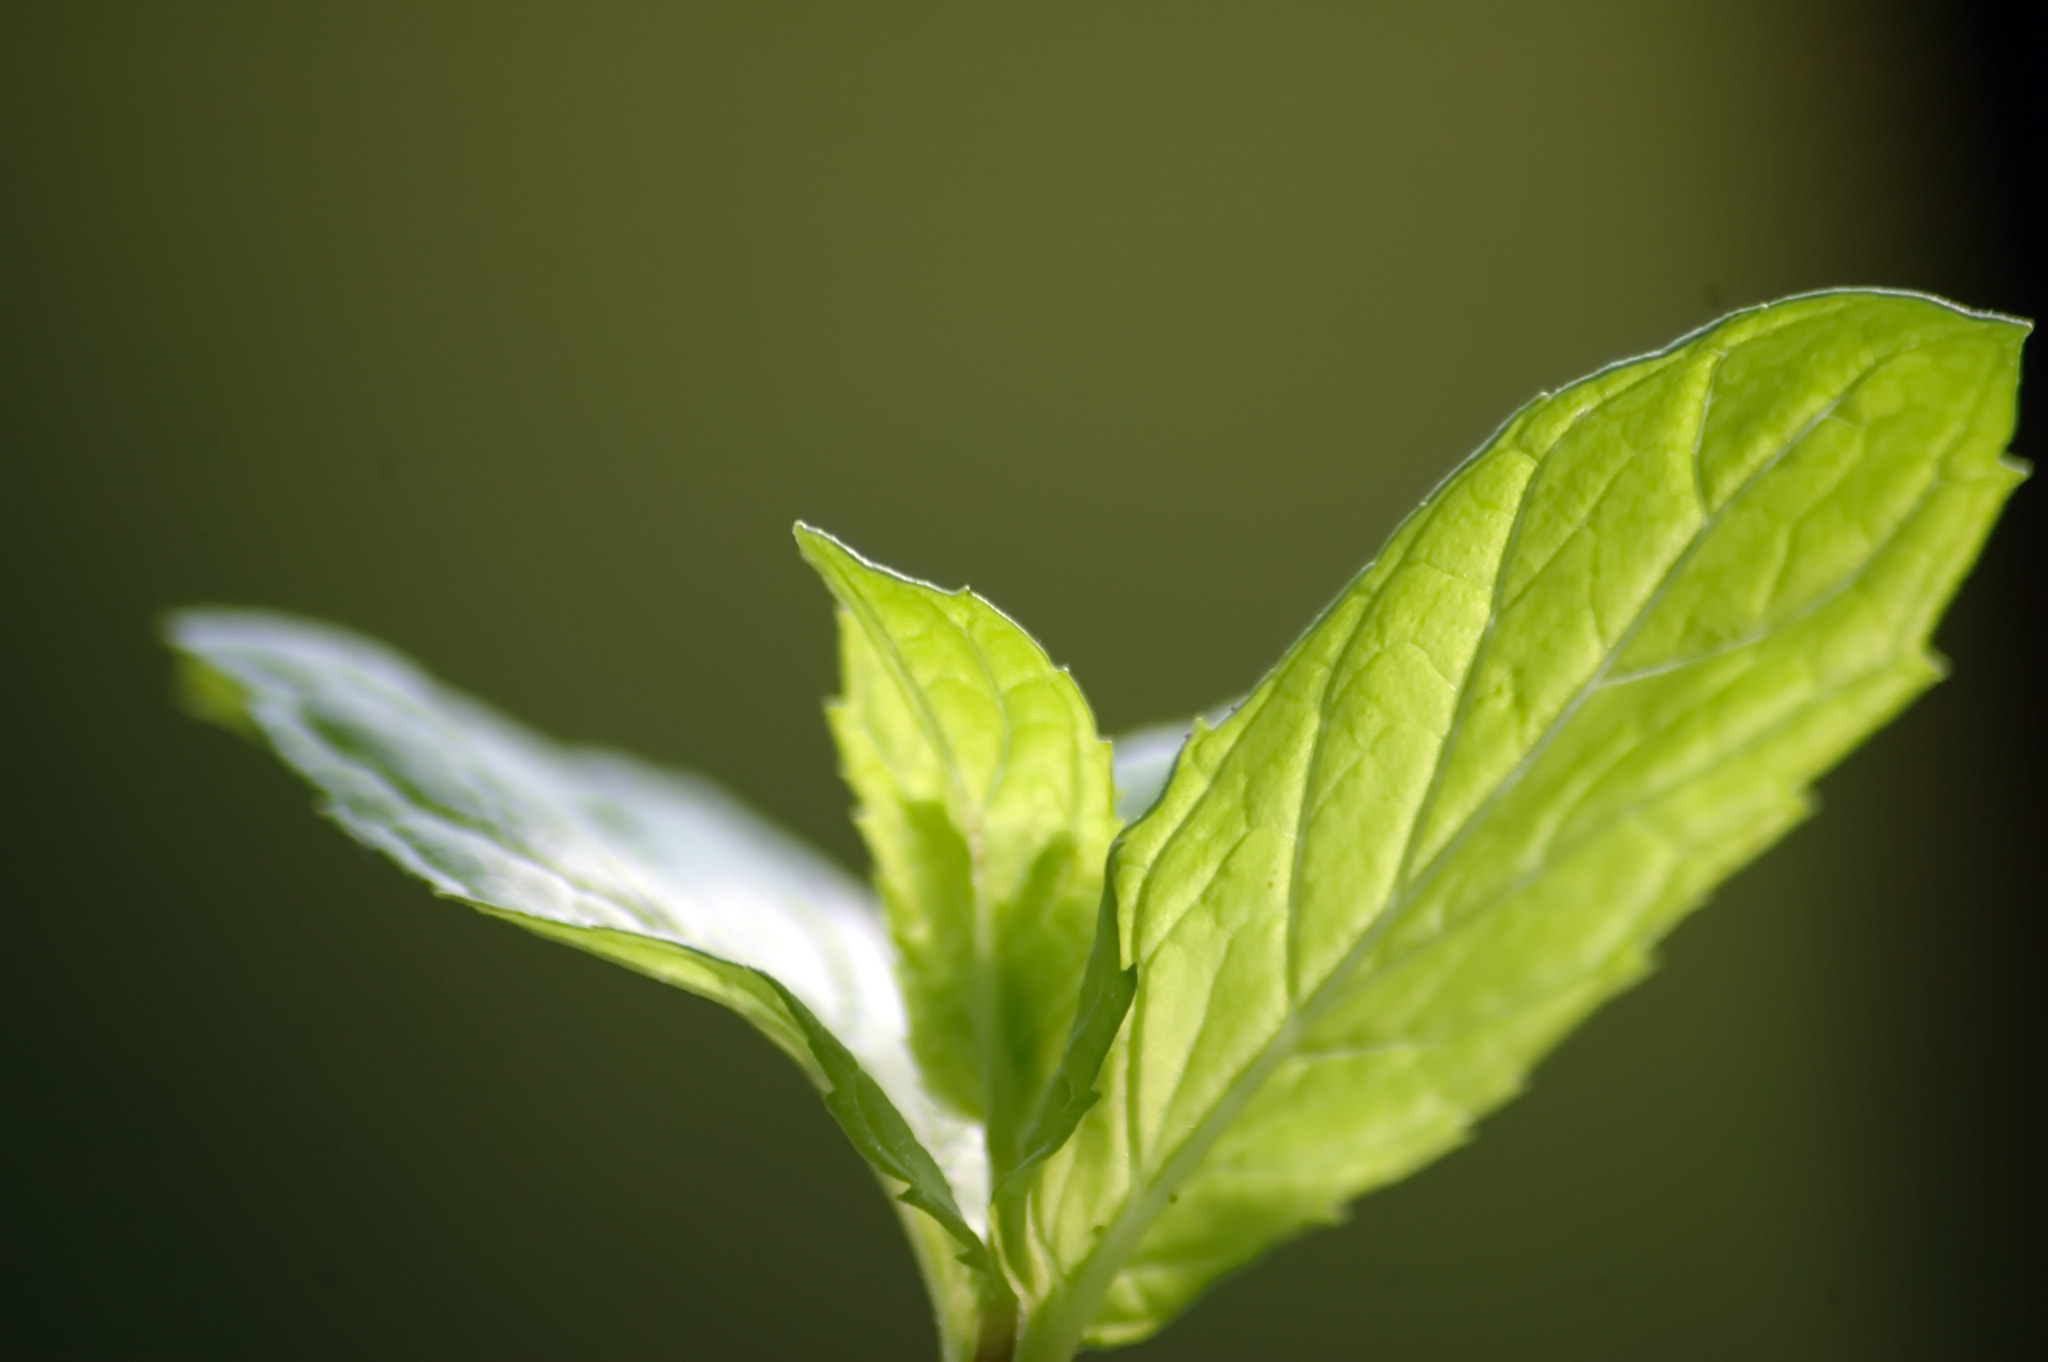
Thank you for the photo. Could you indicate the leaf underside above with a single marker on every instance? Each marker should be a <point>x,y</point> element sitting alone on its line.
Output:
<point>655,870</point>
<point>1594,674</point>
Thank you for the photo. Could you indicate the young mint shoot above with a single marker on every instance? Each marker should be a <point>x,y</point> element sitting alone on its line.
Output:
<point>1117,1018</point>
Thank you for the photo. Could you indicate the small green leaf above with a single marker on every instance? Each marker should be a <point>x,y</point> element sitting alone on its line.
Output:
<point>1107,987</point>
<point>1142,762</point>
<point>985,797</point>
<point>880,1132</point>
<point>1591,677</point>
<point>654,870</point>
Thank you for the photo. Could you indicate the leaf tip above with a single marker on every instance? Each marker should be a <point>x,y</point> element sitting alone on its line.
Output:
<point>840,565</point>
<point>208,694</point>
<point>199,688</point>
<point>813,543</point>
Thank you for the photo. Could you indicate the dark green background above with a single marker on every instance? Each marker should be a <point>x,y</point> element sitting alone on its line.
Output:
<point>519,335</point>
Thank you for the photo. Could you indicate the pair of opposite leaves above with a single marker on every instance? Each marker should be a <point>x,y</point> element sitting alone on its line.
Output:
<point>1592,675</point>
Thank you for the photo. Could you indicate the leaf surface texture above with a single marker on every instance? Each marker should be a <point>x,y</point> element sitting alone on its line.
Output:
<point>985,797</point>
<point>1593,675</point>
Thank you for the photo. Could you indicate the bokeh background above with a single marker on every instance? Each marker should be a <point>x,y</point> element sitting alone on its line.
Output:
<point>519,334</point>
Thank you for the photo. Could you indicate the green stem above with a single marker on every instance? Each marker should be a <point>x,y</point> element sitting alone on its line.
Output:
<point>997,1341</point>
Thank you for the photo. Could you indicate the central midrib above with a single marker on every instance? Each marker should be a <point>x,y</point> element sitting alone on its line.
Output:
<point>985,1002</point>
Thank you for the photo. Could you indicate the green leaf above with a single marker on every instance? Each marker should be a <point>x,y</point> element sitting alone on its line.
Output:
<point>985,797</point>
<point>655,870</point>
<point>879,1130</point>
<point>1142,762</point>
<point>1591,677</point>
<point>1107,987</point>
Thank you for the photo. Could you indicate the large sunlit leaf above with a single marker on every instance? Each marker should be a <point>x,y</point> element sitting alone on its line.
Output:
<point>985,797</point>
<point>1592,676</point>
<point>655,870</point>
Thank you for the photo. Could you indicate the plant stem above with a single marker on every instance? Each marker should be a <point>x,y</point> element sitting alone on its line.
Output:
<point>998,1338</point>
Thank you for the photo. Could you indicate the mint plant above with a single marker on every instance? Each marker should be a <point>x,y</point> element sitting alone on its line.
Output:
<point>1131,1013</point>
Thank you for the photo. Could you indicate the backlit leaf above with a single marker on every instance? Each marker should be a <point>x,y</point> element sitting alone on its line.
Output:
<point>1592,676</point>
<point>985,797</point>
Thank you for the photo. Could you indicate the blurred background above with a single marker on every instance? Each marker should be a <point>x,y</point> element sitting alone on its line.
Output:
<point>519,334</point>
